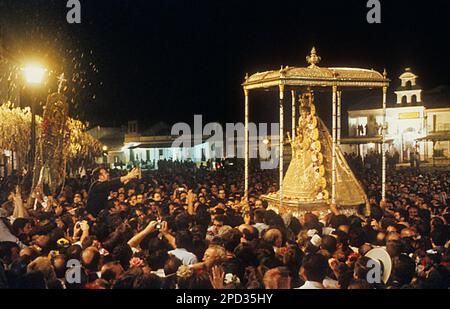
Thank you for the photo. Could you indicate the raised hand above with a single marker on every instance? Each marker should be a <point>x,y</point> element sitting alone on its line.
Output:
<point>134,173</point>
<point>333,263</point>
<point>151,226</point>
<point>84,226</point>
<point>58,210</point>
<point>164,228</point>
<point>247,218</point>
<point>216,277</point>
<point>76,229</point>
<point>190,196</point>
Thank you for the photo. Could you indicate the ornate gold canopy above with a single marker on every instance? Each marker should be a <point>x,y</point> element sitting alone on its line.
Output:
<point>318,173</point>
<point>315,76</point>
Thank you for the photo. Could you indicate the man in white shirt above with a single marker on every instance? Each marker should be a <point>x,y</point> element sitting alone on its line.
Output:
<point>313,271</point>
<point>183,240</point>
<point>259,220</point>
<point>5,233</point>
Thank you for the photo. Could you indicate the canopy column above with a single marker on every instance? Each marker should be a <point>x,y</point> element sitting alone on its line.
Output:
<point>333,159</point>
<point>383,145</point>
<point>281,134</point>
<point>246,150</point>
<point>293,114</point>
<point>339,94</point>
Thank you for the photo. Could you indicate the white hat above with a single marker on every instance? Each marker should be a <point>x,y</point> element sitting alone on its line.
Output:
<point>380,255</point>
<point>231,278</point>
<point>311,232</point>
<point>316,240</point>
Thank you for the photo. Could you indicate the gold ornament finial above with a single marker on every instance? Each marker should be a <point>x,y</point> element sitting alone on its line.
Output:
<point>385,73</point>
<point>335,74</point>
<point>313,58</point>
<point>282,71</point>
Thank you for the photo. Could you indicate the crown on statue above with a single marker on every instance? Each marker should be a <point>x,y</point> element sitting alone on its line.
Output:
<point>306,131</point>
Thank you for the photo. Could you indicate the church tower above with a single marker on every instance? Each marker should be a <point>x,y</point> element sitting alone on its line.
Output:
<point>409,92</point>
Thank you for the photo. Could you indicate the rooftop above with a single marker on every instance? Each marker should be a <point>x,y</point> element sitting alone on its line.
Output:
<point>316,76</point>
<point>438,97</point>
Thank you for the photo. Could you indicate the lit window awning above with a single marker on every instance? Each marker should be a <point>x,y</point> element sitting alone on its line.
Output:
<point>436,136</point>
<point>364,140</point>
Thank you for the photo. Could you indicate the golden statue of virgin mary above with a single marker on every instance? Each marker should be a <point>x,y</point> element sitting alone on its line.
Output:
<point>307,182</point>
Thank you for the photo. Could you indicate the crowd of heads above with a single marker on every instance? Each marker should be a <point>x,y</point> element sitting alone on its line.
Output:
<point>187,227</point>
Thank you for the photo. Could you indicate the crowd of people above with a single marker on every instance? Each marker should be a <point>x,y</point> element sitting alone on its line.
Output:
<point>187,227</point>
<point>372,160</point>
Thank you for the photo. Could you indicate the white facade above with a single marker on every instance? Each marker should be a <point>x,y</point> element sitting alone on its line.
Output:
<point>410,125</point>
<point>150,155</point>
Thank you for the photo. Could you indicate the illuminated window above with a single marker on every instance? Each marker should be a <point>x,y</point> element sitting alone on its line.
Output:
<point>362,121</point>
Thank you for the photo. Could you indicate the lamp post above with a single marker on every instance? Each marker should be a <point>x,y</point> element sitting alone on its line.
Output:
<point>34,75</point>
<point>105,154</point>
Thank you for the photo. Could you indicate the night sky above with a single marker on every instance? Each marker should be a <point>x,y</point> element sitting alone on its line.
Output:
<point>170,59</point>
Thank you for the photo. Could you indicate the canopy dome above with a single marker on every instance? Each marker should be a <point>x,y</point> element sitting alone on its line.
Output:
<point>314,75</point>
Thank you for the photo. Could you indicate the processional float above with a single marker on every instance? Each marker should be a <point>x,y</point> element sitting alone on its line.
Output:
<point>50,162</point>
<point>318,175</point>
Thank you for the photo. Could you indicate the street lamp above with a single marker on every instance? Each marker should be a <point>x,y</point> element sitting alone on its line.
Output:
<point>105,154</point>
<point>34,76</point>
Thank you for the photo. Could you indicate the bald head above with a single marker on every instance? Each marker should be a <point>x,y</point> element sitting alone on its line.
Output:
<point>44,266</point>
<point>27,251</point>
<point>277,278</point>
<point>407,232</point>
<point>274,237</point>
<point>248,232</point>
<point>91,258</point>
<point>111,271</point>
<point>392,236</point>
<point>214,255</point>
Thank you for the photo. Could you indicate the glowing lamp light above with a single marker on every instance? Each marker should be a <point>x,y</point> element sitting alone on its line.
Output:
<point>265,141</point>
<point>105,148</point>
<point>34,74</point>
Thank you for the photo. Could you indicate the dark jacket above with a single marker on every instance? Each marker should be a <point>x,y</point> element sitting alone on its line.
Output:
<point>3,279</point>
<point>98,195</point>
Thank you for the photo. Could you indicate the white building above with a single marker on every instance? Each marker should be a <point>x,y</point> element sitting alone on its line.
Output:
<point>128,146</point>
<point>417,120</point>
